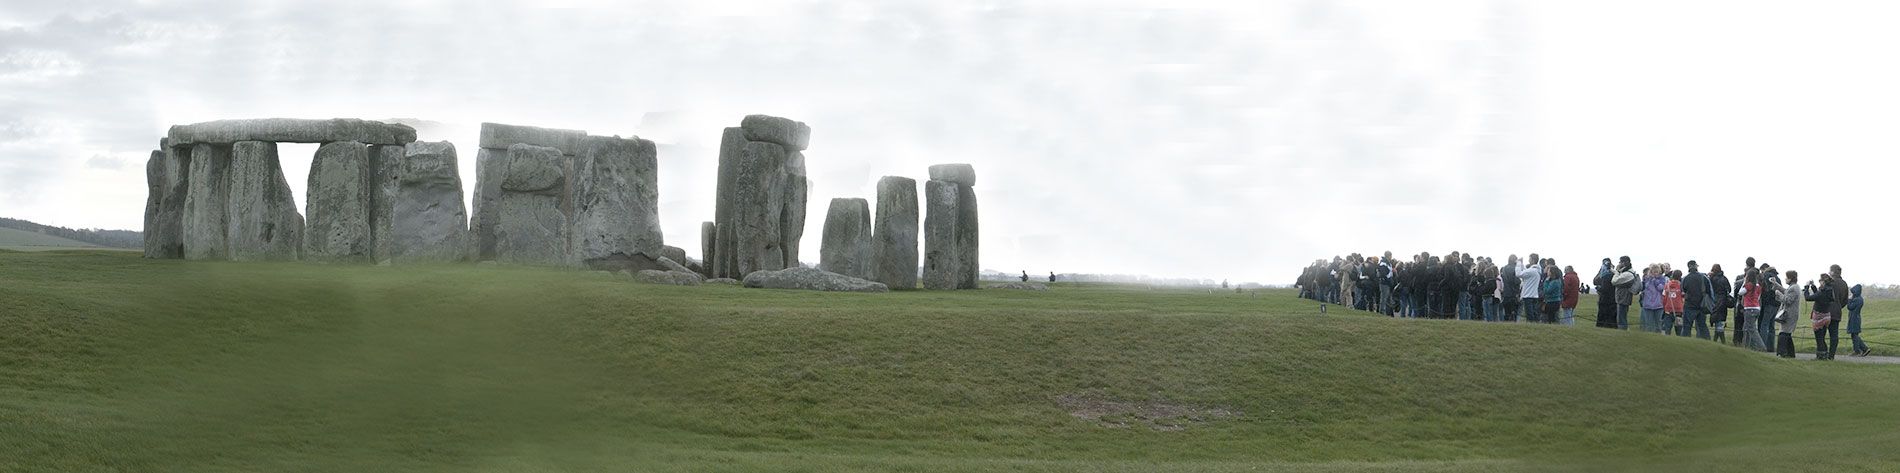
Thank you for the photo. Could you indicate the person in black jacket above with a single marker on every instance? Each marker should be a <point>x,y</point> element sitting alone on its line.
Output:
<point>1695,293</point>
<point>1823,299</point>
<point>1606,295</point>
<point>1719,289</point>
<point>1507,278</point>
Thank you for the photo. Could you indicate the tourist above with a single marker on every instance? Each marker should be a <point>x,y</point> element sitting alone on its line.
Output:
<point>1750,292</point>
<point>1026,279</point>
<point>1606,295</point>
<point>1653,282</point>
<point>1822,315</point>
<point>1672,304</point>
<point>1626,287</point>
<point>1508,290</point>
<point>1771,290</point>
<point>1697,303</point>
<point>1488,292</point>
<point>1719,289</point>
<point>1385,281</point>
<point>1052,276</point>
<point>1839,287</point>
<point>1571,287</point>
<point>1853,322</point>
<point>1790,298</point>
<point>1530,289</point>
<point>1348,280</point>
<point>1468,298</point>
<point>1553,292</point>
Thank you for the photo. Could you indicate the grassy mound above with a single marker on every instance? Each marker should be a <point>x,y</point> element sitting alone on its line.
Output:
<point>111,362</point>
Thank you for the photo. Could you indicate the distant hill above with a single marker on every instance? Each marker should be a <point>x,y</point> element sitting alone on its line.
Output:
<point>32,234</point>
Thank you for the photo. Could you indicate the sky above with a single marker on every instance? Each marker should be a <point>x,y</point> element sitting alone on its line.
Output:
<point>1200,139</point>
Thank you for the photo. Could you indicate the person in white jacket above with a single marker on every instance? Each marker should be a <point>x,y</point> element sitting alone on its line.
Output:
<point>1530,288</point>
<point>1790,314</point>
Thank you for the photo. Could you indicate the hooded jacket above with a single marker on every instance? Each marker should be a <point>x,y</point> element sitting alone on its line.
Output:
<point>1626,294</point>
<point>1653,292</point>
<point>1853,310</point>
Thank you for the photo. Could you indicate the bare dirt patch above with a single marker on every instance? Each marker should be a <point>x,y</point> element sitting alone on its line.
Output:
<point>1159,415</point>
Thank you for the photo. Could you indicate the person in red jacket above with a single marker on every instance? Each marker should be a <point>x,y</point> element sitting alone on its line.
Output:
<point>1672,304</point>
<point>1571,285</point>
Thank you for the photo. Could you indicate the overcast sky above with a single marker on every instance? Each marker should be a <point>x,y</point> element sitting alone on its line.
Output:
<point>1178,139</point>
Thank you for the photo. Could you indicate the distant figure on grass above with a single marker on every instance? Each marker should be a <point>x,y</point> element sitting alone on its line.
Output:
<point>1750,292</point>
<point>1853,322</point>
<point>1627,285</point>
<point>1790,298</point>
<point>1530,288</point>
<point>1771,291</point>
<point>1606,294</point>
<point>1553,292</point>
<point>1052,276</point>
<point>1488,291</point>
<point>1719,290</point>
<point>1572,285</point>
<point>1822,316</point>
<point>1839,286</point>
<point>1697,303</point>
<point>1653,283</point>
<point>1672,304</point>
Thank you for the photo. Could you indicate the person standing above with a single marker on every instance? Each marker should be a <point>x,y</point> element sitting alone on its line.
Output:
<point>1653,283</point>
<point>1822,316</point>
<point>1697,302</point>
<point>1553,292</point>
<point>1572,285</point>
<point>1348,281</point>
<point>1771,290</point>
<point>1854,304</point>
<point>1749,294</point>
<point>1530,288</point>
<point>1839,287</point>
<point>1719,289</point>
<point>1626,287</point>
<point>1672,305</point>
<point>1790,298</point>
<point>1606,295</point>
<point>1488,292</point>
<point>1508,290</point>
<point>1385,280</point>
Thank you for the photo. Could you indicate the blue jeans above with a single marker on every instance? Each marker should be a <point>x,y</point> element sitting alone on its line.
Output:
<point>1532,311</point>
<point>1766,325</point>
<point>1570,316</point>
<point>1622,316</point>
<point>1464,306</point>
<point>1652,321</point>
<point>1490,309</point>
<point>1693,317</point>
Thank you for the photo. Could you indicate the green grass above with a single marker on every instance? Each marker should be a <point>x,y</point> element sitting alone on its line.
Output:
<point>11,237</point>
<point>109,362</point>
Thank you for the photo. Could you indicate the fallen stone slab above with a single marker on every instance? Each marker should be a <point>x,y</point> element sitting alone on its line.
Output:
<point>500,136</point>
<point>291,130</point>
<point>811,280</point>
<point>670,278</point>
<point>1021,286</point>
<point>729,281</point>
<point>791,134</point>
<point>962,174</point>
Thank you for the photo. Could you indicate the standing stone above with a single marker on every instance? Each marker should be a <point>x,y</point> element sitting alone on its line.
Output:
<point>846,248</point>
<point>263,223</point>
<point>616,198</point>
<point>966,239</point>
<point>337,202</point>
<point>167,178</point>
<point>792,216</point>
<point>731,145</point>
<point>207,203</point>
<point>529,226</point>
<point>941,267</point>
<point>427,221</point>
<point>490,167</point>
<point>757,207</point>
<point>386,168</point>
<point>894,239</point>
<point>708,244</point>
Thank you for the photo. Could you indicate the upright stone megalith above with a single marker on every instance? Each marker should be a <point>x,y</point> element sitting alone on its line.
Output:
<point>427,219</point>
<point>263,223</point>
<point>337,204</point>
<point>616,203</point>
<point>762,191</point>
<point>950,228</point>
<point>168,181</point>
<point>708,247</point>
<point>894,234</point>
<point>491,165</point>
<point>207,203</point>
<point>846,247</point>
<point>529,226</point>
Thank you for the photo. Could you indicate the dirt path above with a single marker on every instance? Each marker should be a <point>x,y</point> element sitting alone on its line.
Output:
<point>1885,360</point>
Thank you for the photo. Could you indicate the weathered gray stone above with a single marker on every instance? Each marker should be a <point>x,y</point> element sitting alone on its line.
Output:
<point>792,215</point>
<point>791,134</point>
<point>941,266</point>
<point>812,280</point>
<point>671,278</point>
<point>616,197</point>
<point>529,226</point>
<point>758,201</point>
<point>385,170</point>
<point>894,239</point>
<point>167,179</point>
<point>730,281</point>
<point>291,130</point>
<point>264,223</point>
<point>500,136</point>
<point>967,254</point>
<point>427,220</point>
<point>724,258</point>
<point>677,254</point>
<point>490,167</point>
<point>1021,286</point>
<point>207,203</point>
<point>846,247</point>
<point>708,246</point>
<point>962,174</point>
<point>337,204</point>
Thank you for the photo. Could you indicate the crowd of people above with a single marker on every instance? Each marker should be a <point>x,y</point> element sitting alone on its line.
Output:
<point>1684,302</point>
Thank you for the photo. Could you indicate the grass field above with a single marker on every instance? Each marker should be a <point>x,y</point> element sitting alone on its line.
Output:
<point>12,237</point>
<point>109,362</point>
